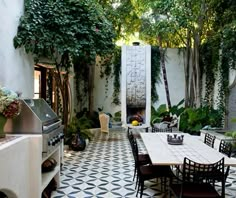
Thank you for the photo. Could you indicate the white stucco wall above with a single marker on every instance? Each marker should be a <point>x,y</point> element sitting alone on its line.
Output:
<point>16,67</point>
<point>102,98</point>
<point>175,76</point>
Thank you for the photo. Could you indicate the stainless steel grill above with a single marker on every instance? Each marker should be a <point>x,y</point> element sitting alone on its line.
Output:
<point>37,117</point>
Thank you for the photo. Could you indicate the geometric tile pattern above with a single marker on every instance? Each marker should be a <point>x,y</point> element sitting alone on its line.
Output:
<point>105,170</point>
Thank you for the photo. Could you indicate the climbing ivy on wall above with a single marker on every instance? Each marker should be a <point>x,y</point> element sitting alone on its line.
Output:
<point>155,72</point>
<point>209,64</point>
<point>116,74</point>
<point>223,85</point>
<point>218,56</point>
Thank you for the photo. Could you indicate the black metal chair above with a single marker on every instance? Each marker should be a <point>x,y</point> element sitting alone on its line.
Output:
<point>142,159</point>
<point>197,180</point>
<point>209,140</point>
<point>226,148</point>
<point>148,172</point>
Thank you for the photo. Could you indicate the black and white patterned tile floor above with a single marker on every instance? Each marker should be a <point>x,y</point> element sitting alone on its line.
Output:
<point>105,170</point>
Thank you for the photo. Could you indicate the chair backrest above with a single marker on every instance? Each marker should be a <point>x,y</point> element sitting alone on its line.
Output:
<point>198,173</point>
<point>204,173</point>
<point>104,122</point>
<point>225,148</point>
<point>209,140</point>
<point>135,150</point>
<point>162,130</point>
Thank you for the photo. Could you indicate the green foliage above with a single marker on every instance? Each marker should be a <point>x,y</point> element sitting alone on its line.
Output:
<point>116,74</point>
<point>194,119</point>
<point>231,134</point>
<point>177,109</point>
<point>83,124</point>
<point>105,64</point>
<point>123,15</point>
<point>155,72</point>
<point>221,38</point>
<point>209,63</point>
<point>54,28</point>
<point>117,116</point>
<point>162,112</point>
<point>158,114</point>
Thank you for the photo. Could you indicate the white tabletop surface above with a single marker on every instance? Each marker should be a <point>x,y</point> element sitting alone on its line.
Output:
<point>162,153</point>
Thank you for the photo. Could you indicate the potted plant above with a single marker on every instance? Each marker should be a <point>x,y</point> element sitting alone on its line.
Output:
<point>78,132</point>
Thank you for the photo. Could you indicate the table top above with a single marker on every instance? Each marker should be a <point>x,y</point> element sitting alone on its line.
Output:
<point>162,153</point>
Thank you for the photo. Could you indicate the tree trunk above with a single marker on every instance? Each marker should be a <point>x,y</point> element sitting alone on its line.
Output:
<point>162,57</point>
<point>90,88</point>
<point>198,73</point>
<point>60,84</point>
<point>187,56</point>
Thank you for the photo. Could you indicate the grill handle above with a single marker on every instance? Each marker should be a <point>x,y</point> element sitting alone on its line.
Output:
<point>45,128</point>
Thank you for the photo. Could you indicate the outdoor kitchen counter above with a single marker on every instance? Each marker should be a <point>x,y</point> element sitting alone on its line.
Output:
<point>20,166</point>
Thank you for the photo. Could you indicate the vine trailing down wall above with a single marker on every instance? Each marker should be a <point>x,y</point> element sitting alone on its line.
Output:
<point>116,74</point>
<point>155,72</point>
<point>210,66</point>
<point>218,56</point>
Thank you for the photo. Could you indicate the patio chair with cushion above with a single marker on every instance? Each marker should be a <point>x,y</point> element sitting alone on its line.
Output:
<point>209,140</point>
<point>197,180</point>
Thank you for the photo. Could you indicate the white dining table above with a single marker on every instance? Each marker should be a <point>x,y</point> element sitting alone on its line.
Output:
<point>162,153</point>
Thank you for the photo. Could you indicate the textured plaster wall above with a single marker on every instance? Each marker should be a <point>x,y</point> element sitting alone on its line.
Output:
<point>16,67</point>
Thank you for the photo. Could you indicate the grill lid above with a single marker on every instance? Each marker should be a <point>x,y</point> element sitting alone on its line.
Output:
<point>41,110</point>
<point>36,117</point>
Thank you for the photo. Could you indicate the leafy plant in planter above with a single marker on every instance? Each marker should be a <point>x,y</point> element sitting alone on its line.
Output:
<point>194,119</point>
<point>158,114</point>
<point>232,134</point>
<point>117,116</point>
<point>163,114</point>
<point>78,127</point>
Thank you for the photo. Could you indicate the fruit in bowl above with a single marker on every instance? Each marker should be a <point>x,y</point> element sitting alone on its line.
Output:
<point>135,123</point>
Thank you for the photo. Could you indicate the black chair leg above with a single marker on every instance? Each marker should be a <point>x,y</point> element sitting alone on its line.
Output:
<point>135,170</point>
<point>141,190</point>
<point>138,188</point>
<point>137,182</point>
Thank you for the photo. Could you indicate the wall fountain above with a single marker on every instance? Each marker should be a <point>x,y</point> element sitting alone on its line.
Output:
<point>136,85</point>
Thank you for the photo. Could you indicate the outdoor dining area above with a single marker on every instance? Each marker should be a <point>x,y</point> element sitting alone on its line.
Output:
<point>194,163</point>
<point>140,163</point>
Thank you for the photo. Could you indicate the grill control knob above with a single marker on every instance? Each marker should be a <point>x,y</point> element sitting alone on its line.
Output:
<point>53,141</point>
<point>57,139</point>
<point>50,143</point>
